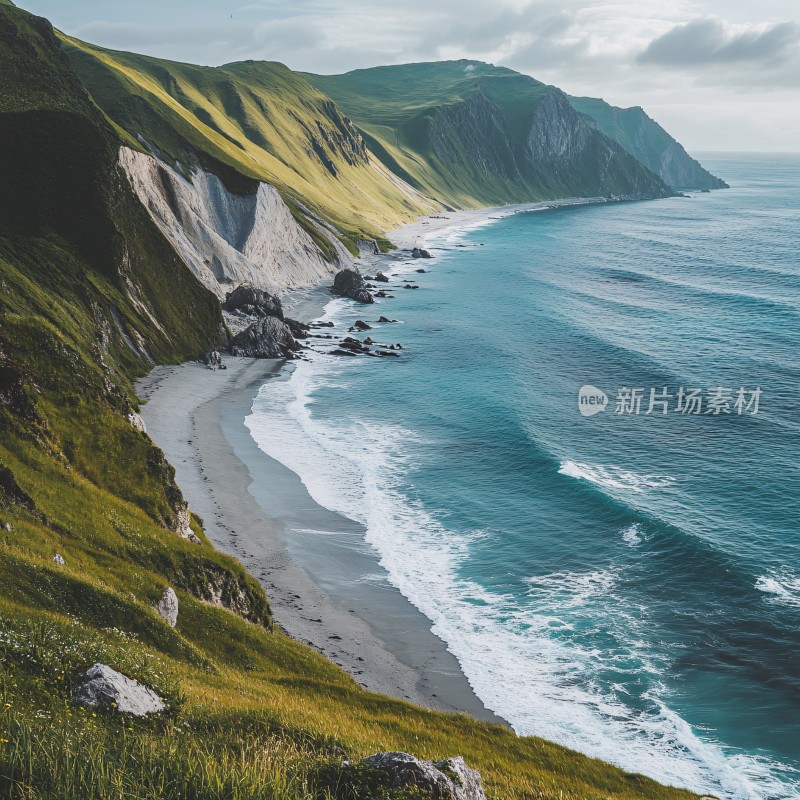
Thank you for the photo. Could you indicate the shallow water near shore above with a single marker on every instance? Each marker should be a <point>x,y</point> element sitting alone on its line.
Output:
<point>625,584</point>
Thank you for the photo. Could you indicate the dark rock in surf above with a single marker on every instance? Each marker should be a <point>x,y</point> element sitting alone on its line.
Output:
<point>349,283</point>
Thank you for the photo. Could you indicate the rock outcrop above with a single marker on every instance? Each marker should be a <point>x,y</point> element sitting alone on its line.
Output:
<point>420,252</point>
<point>450,779</point>
<point>267,337</point>
<point>167,607</point>
<point>137,422</point>
<point>104,687</point>
<point>350,283</point>
<point>181,523</point>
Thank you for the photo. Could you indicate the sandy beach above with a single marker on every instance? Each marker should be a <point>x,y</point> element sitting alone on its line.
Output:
<point>325,584</point>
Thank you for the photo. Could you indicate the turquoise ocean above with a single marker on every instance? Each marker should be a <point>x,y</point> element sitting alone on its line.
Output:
<point>627,584</point>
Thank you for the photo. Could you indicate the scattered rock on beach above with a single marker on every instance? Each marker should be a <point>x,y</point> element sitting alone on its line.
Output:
<point>386,319</point>
<point>213,360</point>
<point>349,283</point>
<point>381,278</point>
<point>299,329</point>
<point>104,687</point>
<point>419,252</point>
<point>167,607</point>
<point>254,302</point>
<point>450,779</point>
<point>360,325</point>
<point>267,337</point>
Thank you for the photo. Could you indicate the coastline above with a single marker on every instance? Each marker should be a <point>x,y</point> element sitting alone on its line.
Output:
<point>325,589</point>
<point>325,585</point>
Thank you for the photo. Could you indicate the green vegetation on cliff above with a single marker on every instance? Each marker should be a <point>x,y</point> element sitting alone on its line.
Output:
<point>244,121</point>
<point>90,295</point>
<point>470,134</point>
<point>649,142</point>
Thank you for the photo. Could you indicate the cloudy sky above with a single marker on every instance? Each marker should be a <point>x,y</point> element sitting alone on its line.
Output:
<point>718,74</point>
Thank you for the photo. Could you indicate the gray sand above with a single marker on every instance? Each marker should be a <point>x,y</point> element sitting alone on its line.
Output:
<point>326,589</point>
<point>325,585</point>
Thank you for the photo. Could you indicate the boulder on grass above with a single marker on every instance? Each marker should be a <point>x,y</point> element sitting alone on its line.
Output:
<point>103,687</point>
<point>450,779</point>
<point>167,607</point>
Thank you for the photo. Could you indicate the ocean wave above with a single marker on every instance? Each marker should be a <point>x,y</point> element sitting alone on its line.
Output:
<point>632,535</point>
<point>521,654</point>
<point>614,478</point>
<point>783,587</point>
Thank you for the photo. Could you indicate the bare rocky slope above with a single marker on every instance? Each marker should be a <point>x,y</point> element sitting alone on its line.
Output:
<point>225,238</point>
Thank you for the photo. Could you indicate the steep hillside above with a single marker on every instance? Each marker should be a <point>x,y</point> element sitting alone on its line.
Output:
<point>644,138</point>
<point>250,122</point>
<point>93,528</point>
<point>471,134</point>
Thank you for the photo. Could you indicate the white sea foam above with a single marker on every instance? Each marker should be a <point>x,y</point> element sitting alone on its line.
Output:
<point>632,535</point>
<point>782,586</point>
<point>518,653</point>
<point>614,478</point>
<point>572,589</point>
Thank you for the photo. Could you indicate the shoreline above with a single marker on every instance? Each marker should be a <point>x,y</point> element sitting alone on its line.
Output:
<point>197,417</point>
<point>325,585</point>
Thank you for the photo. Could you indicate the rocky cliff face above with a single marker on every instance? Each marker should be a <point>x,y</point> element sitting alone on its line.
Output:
<point>228,239</point>
<point>645,139</point>
<point>560,153</point>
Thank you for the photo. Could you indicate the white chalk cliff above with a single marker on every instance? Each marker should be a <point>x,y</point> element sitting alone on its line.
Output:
<point>227,239</point>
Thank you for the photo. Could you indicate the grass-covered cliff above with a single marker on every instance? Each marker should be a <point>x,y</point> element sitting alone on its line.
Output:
<point>644,138</point>
<point>471,134</point>
<point>250,120</point>
<point>91,295</point>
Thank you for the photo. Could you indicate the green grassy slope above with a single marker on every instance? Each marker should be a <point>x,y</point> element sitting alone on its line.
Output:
<point>89,291</point>
<point>471,134</point>
<point>253,119</point>
<point>649,142</point>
